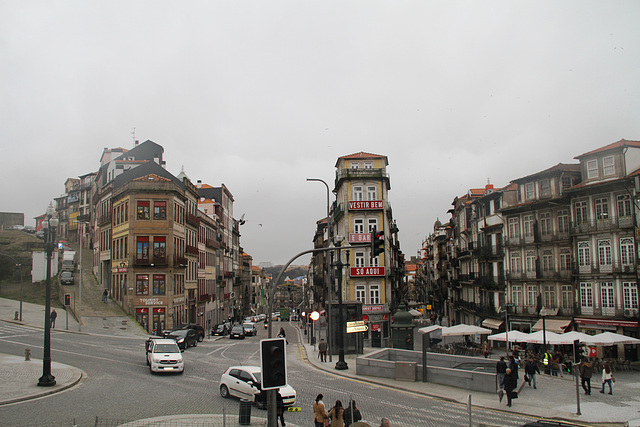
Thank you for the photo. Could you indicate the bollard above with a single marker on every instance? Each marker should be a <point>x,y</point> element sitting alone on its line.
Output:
<point>16,315</point>
<point>245,412</point>
<point>27,353</point>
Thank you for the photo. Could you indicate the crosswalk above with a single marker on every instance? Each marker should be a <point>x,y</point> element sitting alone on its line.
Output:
<point>8,330</point>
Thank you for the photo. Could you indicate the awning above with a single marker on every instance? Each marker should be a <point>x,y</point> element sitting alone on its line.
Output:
<point>552,325</point>
<point>582,321</point>
<point>492,323</point>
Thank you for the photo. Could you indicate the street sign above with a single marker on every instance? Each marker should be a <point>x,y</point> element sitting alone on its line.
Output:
<point>355,323</point>
<point>294,409</point>
<point>360,328</point>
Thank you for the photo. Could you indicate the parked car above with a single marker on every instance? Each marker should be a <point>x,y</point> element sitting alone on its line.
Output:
<point>237,332</point>
<point>199,329</point>
<point>40,234</point>
<point>244,382</point>
<point>163,355</point>
<point>221,330</point>
<point>184,338</point>
<point>29,229</point>
<point>66,278</point>
<point>250,329</point>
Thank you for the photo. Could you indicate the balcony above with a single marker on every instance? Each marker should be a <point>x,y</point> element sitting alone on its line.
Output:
<point>104,218</point>
<point>180,261</point>
<point>491,283</point>
<point>153,262</point>
<point>602,224</point>
<point>193,220</point>
<point>191,250</point>
<point>486,251</point>
<point>359,174</point>
<point>213,244</point>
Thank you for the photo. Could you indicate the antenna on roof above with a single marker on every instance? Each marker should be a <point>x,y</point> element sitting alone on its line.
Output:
<point>133,135</point>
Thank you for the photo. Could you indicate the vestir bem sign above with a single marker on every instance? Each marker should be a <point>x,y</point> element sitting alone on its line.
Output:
<point>367,271</point>
<point>365,204</point>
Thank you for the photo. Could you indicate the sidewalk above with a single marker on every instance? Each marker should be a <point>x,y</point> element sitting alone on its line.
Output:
<point>554,398</point>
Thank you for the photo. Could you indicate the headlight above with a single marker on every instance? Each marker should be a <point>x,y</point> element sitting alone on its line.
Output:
<point>181,340</point>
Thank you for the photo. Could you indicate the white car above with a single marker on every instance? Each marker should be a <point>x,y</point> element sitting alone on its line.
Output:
<point>164,355</point>
<point>244,382</point>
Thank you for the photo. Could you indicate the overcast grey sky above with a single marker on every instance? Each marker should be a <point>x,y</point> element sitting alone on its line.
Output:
<point>260,95</point>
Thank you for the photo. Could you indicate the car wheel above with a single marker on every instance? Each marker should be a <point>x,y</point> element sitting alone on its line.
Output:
<point>195,343</point>
<point>224,391</point>
<point>200,338</point>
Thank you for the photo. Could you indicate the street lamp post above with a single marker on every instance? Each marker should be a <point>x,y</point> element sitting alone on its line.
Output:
<point>341,364</point>
<point>50,225</point>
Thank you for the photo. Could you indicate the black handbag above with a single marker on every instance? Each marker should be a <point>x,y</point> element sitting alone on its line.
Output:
<point>514,394</point>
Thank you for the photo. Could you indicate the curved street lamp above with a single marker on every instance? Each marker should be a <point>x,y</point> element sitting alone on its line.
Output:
<point>50,224</point>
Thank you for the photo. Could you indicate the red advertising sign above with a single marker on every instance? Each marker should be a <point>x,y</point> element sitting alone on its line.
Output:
<point>365,317</point>
<point>359,237</point>
<point>365,205</point>
<point>142,310</point>
<point>372,308</point>
<point>375,327</point>
<point>367,271</point>
<point>593,352</point>
<point>385,317</point>
<point>158,310</point>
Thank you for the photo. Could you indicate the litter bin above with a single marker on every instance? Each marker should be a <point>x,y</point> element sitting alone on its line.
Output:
<point>245,412</point>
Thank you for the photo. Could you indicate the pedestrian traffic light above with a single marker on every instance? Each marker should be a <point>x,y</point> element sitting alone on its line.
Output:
<point>377,243</point>
<point>577,351</point>
<point>273,363</point>
<point>67,299</point>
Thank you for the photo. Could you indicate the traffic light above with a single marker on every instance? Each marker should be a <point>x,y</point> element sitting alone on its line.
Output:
<point>67,299</point>
<point>273,363</point>
<point>578,351</point>
<point>377,243</point>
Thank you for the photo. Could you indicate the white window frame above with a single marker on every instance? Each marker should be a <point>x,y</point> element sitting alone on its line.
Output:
<point>527,225</point>
<point>592,169</point>
<point>566,296</point>
<point>516,295</point>
<point>584,254</point>
<point>514,227</point>
<point>547,261</point>
<point>359,259</point>
<point>607,300</point>
<point>604,252</point>
<point>372,224</point>
<point>358,225</point>
<point>516,262</point>
<point>563,221</point>
<point>630,295</point>
<point>355,165</point>
<point>602,208</point>
<point>374,294</point>
<point>624,205</point>
<point>549,296</point>
<point>530,261</point>
<point>358,194</point>
<point>368,165</point>
<point>586,295</point>
<point>372,192</point>
<point>545,188</point>
<point>565,260</point>
<point>529,191</point>
<point>546,225</point>
<point>361,294</point>
<point>608,166</point>
<point>627,251</point>
<point>532,295</point>
<point>582,213</point>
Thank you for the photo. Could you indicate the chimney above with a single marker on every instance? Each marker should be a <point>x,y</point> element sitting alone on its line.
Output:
<point>199,184</point>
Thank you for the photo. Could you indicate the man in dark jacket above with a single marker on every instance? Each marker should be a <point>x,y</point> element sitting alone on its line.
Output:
<point>510,384</point>
<point>586,372</point>
<point>530,369</point>
<point>501,369</point>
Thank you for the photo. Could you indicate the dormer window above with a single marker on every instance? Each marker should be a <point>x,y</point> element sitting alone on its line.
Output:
<point>529,191</point>
<point>592,169</point>
<point>368,165</point>
<point>608,166</point>
<point>355,165</point>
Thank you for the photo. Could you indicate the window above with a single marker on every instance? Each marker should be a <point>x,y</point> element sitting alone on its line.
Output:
<point>567,182</point>
<point>372,193</point>
<point>373,224</point>
<point>584,254</point>
<point>608,166</point>
<point>604,252</point>
<point>355,165</point>
<point>624,205</point>
<point>358,225</point>
<point>159,210</point>
<point>516,263</point>
<point>565,260</point>
<point>630,295</point>
<point>532,295</point>
<point>592,169</point>
<point>142,248</point>
<point>527,225</point>
<point>374,294</point>
<point>357,193</point>
<point>547,261</point>
<point>626,251</point>
<point>359,256</point>
<point>586,295</point>
<point>602,208</point>
<point>567,296</point>
<point>143,210</point>
<point>368,165</point>
<point>516,295</point>
<point>545,188</point>
<point>142,284</point>
<point>581,212</point>
<point>159,248</point>
<point>606,296</point>
<point>545,223</point>
<point>361,293</point>
<point>158,284</point>
<point>549,296</point>
<point>531,261</point>
<point>514,228</point>
<point>529,191</point>
<point>563,221</point>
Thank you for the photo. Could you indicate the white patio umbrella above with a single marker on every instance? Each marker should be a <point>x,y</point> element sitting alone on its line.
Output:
<point>538,337</point>
<point>610,338</point>
<point>414,312</point>
<point>429,329</point>
<point>464,330</point>
<point>514,336</point>
<point>569,338</point>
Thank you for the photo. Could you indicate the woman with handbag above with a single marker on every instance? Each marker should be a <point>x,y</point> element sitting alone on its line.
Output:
<point>607,377</point>
<point>319,412</point>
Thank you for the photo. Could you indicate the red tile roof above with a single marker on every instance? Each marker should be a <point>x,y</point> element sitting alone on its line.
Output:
<point>363,155</point>
<point>619,144</point>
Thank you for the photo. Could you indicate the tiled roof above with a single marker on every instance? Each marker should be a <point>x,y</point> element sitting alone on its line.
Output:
<point>560,167</point>
<point>619,144</point>
<point>363,155</point>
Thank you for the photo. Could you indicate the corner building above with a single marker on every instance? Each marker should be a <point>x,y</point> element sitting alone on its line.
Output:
<point>362,205</point>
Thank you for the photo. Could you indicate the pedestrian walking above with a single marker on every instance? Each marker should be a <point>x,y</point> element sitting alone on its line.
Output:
<point>530,370</point>
<point>336,414</point>
<point>280,408</point>
<point>510,385</point>
<point>351,414</point>
<point>513,365</point>
<point>319,412</point>
<point>105,294</point>
<point>501,370</point>
<point>385,422</point>
<point>607,378</point>
<point>322,349</point>
<point>586,372</point>
<point>52,318</point>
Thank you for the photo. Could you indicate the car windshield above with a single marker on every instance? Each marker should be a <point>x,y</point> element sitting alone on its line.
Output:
<point>180,333</point>
<point>237,329</point>
<point>66,274</point>
<point>220,328</point>
<point>166,348</point>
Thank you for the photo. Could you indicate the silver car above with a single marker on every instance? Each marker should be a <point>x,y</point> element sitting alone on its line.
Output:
<point>244,382</point>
